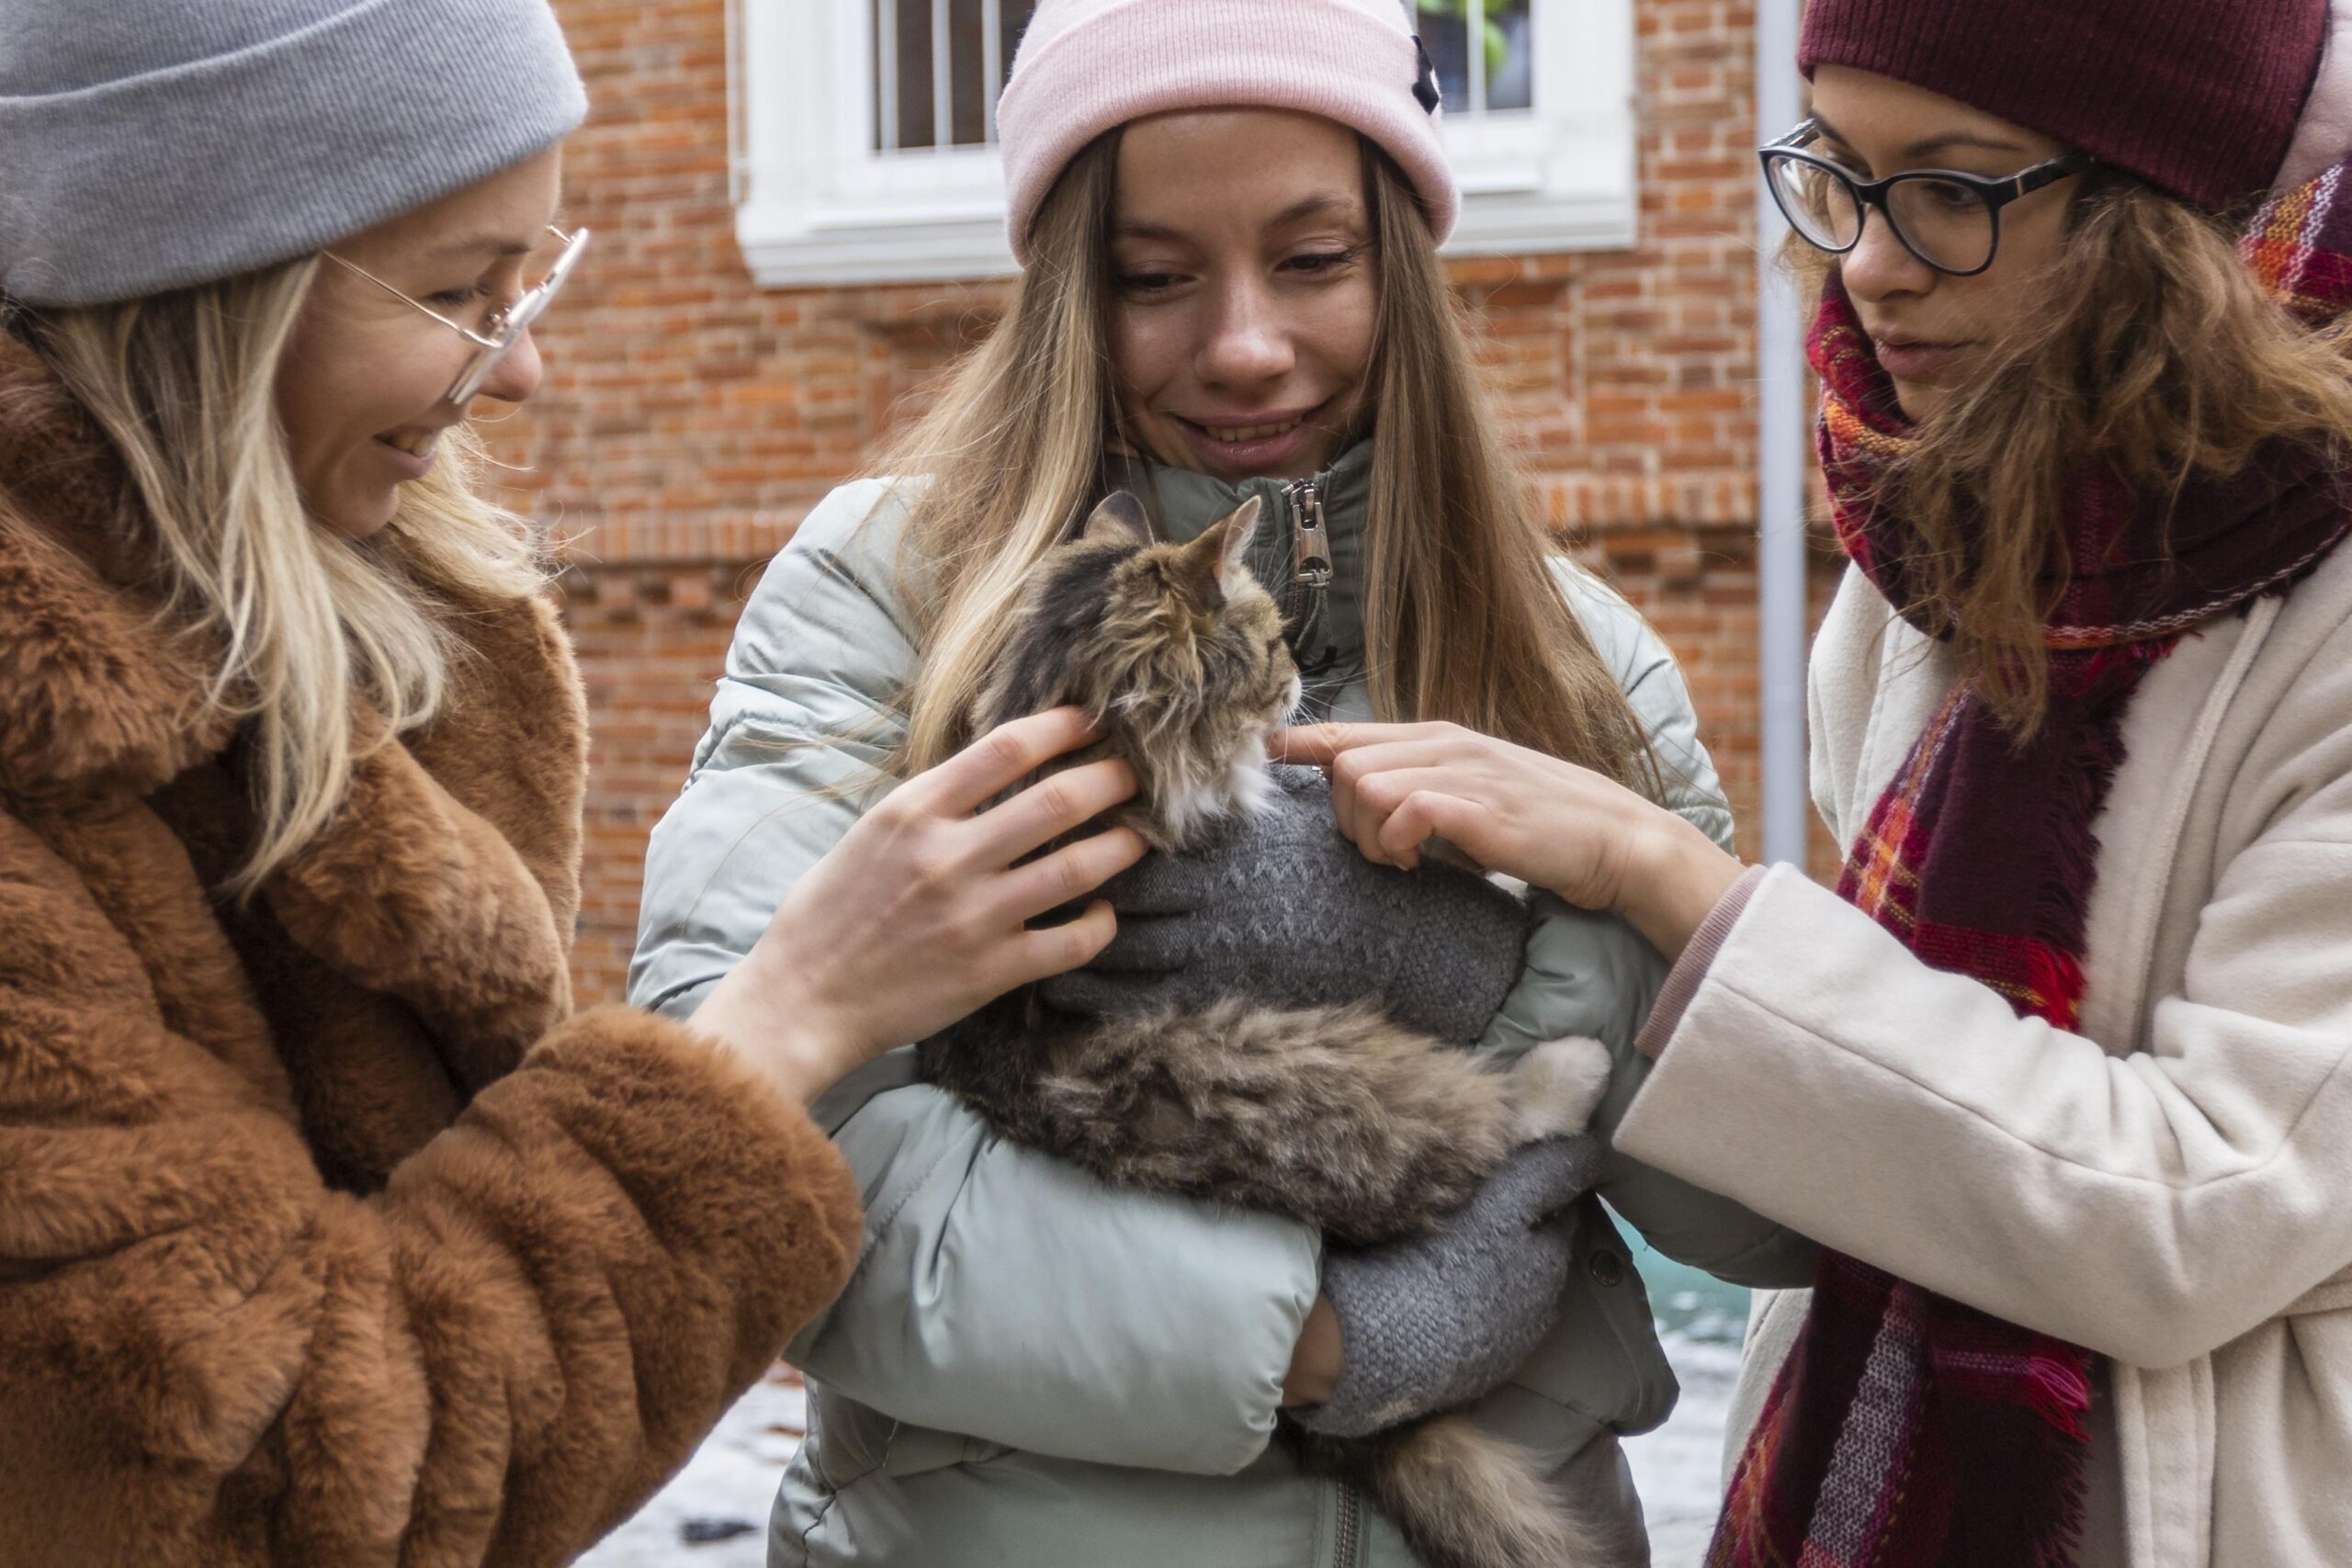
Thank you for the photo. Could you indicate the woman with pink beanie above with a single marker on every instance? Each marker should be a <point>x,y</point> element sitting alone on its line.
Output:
<point>1229,214</point>
<point>2061,1074</point>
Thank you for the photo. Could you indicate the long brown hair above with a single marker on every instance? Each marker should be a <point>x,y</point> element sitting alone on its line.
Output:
<point>1464,620</point>
<point>2147,342</point>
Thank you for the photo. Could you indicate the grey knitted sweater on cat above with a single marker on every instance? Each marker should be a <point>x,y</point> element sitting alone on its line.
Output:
<point>1437,949</point>
<point>1435,1321</point>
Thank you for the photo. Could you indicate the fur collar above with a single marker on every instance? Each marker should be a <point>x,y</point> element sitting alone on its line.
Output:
<point>449,878</point>
<point>95,689</point>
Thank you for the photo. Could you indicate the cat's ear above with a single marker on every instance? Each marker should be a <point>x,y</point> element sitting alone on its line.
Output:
<point>1120,520</point>
<point>1216,563</point>
<point>1240,533</point>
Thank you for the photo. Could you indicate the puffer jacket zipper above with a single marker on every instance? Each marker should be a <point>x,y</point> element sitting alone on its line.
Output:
<point>1304,603</point>
<point>1347,1535</point>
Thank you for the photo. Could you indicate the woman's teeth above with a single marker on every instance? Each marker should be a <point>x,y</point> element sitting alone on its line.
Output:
<point>415,445</point>
<point>1252,432</point>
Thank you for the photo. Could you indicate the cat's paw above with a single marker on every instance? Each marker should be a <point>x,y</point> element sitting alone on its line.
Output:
<point>1557,1086</point>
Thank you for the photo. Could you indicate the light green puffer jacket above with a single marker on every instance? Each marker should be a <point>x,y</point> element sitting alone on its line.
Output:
<point>1030,1367</point>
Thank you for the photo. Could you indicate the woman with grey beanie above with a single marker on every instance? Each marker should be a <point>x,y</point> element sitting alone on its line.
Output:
<point>329,1234</point>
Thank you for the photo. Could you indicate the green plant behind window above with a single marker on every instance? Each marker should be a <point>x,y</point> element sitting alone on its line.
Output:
<point>1498,42</point>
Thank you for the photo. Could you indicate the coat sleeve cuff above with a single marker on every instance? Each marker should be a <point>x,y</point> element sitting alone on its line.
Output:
<point>1683,980</point>
<point>737,1183</point>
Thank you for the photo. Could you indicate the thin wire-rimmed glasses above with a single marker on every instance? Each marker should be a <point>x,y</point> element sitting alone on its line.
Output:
<point>501,332</point>
<point>1949,220</point>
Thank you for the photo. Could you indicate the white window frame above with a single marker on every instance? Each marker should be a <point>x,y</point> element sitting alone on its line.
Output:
<point>816,205</point>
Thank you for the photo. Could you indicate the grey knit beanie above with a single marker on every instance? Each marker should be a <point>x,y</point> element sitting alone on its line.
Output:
<point>150,144</point>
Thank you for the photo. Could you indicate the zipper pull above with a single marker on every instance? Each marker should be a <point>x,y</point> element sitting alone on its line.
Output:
<point>1310,579</point>
<point>1310,546</point>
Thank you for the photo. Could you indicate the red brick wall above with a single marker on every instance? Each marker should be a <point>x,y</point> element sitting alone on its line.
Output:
<point>689,417</point>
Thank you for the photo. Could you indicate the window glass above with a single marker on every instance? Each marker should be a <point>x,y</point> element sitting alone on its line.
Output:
<point>942,60</point>
<point>1496,76</point>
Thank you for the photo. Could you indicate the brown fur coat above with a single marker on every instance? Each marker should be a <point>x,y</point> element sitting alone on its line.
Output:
<point>328,1234</point>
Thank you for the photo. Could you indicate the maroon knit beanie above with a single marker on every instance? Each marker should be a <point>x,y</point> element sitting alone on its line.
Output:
<point>2199,97</point>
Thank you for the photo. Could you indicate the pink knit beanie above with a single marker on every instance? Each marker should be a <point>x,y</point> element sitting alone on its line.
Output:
<point>1085,66</point>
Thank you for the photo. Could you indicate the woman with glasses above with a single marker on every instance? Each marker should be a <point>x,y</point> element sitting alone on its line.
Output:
<point>328,1234</point>
<point>2061,1074</point>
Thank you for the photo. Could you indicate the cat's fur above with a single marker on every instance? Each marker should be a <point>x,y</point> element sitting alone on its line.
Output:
<point>1335,1116</point>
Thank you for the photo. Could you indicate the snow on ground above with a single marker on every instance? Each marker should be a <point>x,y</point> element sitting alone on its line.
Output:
<point>1677,1468</point>
<point>723,1493</point>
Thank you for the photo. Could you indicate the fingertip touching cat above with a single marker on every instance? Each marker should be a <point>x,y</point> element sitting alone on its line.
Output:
<point>1336,1113</point>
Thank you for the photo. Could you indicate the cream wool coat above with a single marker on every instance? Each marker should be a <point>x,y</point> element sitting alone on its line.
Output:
<point>2172,1188</point>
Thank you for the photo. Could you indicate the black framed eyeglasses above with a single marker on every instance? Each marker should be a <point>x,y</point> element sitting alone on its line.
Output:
<point>1949,220</point>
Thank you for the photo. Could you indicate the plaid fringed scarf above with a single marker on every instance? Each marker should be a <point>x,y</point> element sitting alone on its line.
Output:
<point>1907,1430</point>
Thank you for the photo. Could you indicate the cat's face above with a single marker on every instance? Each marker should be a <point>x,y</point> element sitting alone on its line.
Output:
<point>1176,652</point>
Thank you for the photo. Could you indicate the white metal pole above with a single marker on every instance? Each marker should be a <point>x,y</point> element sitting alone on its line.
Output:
<point>1780,433</point>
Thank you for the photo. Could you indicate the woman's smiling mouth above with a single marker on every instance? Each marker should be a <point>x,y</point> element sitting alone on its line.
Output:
<point>1248,445</point>
<point>411,450</point>
<point>1239,433</point>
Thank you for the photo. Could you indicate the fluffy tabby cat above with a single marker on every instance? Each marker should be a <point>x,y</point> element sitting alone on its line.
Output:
<point>1335,1116</point>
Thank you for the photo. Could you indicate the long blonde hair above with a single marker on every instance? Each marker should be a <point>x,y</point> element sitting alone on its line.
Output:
<point>2148,342</point>
<point>320,635</point>
<point>1464,618</point>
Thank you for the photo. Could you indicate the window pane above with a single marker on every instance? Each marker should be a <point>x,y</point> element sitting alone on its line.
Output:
<point>1506,53</point>
<point>903,60</point>
<point>970,68</point>
<point>1510,55</point>
<point>902,74</point>
<point>1445,34</point>
<point>1014,20</point>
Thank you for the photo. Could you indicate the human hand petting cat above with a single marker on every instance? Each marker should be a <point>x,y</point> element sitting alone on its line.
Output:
<point>920,914</point>
<point>1279,908</point>
<point>1567,829</point>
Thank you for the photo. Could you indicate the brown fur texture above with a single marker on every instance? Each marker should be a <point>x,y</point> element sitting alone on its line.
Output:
<point>328,1234</point>
<point>1335,1116</point>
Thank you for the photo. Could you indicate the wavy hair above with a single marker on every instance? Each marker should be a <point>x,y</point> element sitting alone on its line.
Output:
<point>2148,342</point>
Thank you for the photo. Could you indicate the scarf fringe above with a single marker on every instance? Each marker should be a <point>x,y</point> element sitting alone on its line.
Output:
<point>2070,812</point>
<point>2061,1393</point>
